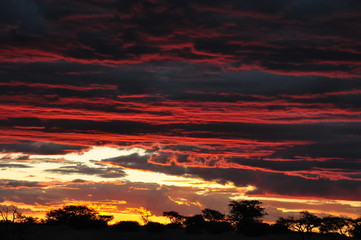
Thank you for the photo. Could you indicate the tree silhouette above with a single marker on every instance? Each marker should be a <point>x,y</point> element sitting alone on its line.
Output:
<point>144,214</point>
<point>283,225</point>
<point>155,227</point>
<point>356,228</point>
<point>246,211</point>
<point>246,216</point>
<point>212,215</point>
<point>305,224</point>
<point>338,225</point>
<point>175,217</point>
<point>308,221</point>
<point>215,222</point>
<point>286,222</point>
<point>10,214</point>
<point>127,226</point>
<point>195,224</point>
<point>77,216</point>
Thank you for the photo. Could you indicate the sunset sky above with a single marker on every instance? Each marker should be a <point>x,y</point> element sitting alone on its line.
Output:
<point>181,105</point>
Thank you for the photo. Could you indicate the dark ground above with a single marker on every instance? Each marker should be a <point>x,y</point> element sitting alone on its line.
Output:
<point>41,232</point>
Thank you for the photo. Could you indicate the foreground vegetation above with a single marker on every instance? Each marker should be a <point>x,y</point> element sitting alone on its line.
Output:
<point>244,217</point>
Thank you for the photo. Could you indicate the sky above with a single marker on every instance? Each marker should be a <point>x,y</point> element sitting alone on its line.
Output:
<point>162,105</point>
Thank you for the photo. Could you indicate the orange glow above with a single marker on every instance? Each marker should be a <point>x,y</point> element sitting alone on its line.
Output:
<point>103,207</point>
<point>183,201</point>
<point>112,106</point>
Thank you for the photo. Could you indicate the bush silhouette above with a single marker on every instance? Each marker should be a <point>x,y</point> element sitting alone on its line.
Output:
<point>356,228</point>
<point>175,218</point>
<point>244,216</point>
<point>215,222</point>
<point>332,224</point>
<point>212,215</point>
<point>174,226</point>
<point>155,227</point>
<point>279,227</point>
<point>127,226</point>
<point>195,224</point>
<point>253,229</point>
<point>217,227</point>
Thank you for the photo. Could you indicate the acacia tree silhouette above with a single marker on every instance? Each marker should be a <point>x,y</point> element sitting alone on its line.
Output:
<point>332,224</point>
<point>78,217</point>
<point>309,221</point>
<point>144,214</point>
<point>215,222</point>
<point>305,224</point>
<point>175,218</point>
<point>246,211</point>
<point>212,215</point>
<point>246,216</point>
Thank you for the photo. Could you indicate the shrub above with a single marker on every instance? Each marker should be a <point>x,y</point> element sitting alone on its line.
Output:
<point>173,226</point>
<point>252,228</point>
<point>127,226</point>
<point>155,227</point>
<point>279,228</point>
<point>214,227</point>
<point>195,224</point>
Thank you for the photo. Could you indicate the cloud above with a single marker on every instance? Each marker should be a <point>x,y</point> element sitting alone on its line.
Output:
<point>42,148</point>
<point>283,182</point>
<point>13,165</point>
<point>79,168</point>
<point>21,15</point>
<point>15,184</point>
<point>122,196</point>
<point>282,37</point>
<point>131,195</point>
<point>258,93</point>
<point>296,127</point>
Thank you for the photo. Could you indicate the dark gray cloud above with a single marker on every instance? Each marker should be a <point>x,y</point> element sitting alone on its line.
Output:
<point>22,16</point>
<point>31,147</point>
<point>13,184</point>
<point>14,165</point>
<point>285,37</point>
<point>267,85</point>
<point>101,171</point>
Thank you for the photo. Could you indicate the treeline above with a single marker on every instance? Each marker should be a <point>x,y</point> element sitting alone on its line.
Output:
<point>245,217</point>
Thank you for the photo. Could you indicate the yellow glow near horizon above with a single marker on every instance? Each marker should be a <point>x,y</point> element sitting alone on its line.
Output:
<point>104,208</point>
<point>39,164</point>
